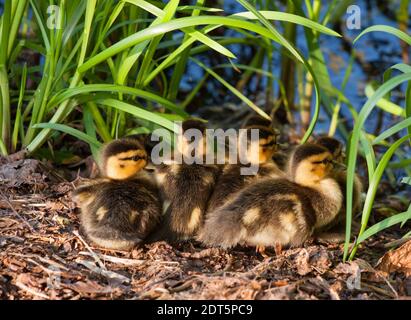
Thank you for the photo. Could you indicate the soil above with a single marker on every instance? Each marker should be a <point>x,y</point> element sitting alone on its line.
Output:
<point>42,256</point>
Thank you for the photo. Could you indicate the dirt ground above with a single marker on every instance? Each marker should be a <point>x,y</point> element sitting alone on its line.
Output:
<point>42,256</point>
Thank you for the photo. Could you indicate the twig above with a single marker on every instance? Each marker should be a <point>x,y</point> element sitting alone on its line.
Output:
<point>42,259</point>
<point>186,285</point>
<point>103,272</point>
<point>17,214</point>
<point>396,243</point>
<point>105,257</point>
<point>31,291</point>
<point>128,262</point>
<point>95,256</point>
<point>45,269</point>
<point>377,289</point>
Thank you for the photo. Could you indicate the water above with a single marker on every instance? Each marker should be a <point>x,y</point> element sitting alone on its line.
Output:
<point>380,50</point>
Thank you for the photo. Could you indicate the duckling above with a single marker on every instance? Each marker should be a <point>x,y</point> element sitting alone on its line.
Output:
<point>122,207</point>
<point>278,212</point>
<point>340,174</point>
<point>187,187</point>
<point>334,231</point>
<point>256,120</point>
<point>231,180</point>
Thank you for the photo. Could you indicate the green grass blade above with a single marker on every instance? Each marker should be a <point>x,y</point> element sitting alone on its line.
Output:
<point>176,24</point>
<point>71,131</point>
<point>67,94</point>
<point>91,6</point>
<point>391,30</point>
<point>233,90</point>
<point>270,27</point>
<point>90,130</point>
<point>393,130</point>
<point>352,154</point>
<point>17,121</point>
<point>373,186</point>
<point>41,25</point>
<point>368,153</point>
<point>291,18</point>
<point>408,106</point>
<point>3,149</point>
<point>138,112</point>
<point>146,64</point>
<point>147,6</point>
<point>385,104</point>
<point>384,224</point>
<point>174,56</point>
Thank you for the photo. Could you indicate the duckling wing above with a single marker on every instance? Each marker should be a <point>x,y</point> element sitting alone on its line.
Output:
<point>122,213</point>
<point>231,181</point>
<point>267,212</point>
<point>189,190</point>
<point>228,183</point>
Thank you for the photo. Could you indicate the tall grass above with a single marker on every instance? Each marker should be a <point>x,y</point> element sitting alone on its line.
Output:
<point>379,97</point>
<point>111,58</point>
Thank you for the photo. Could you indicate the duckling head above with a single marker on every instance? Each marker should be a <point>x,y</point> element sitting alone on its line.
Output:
<point>333,145</point>
<point>193,139</point>
<point>123,158</point>
<point>266,144</point>
<point>310,163</point>
<point>257,120</point>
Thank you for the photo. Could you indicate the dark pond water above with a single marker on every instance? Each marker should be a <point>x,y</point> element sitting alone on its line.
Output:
<point>378,52</point>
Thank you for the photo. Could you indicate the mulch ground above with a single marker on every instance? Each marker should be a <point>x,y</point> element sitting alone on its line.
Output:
<point>42,256</point>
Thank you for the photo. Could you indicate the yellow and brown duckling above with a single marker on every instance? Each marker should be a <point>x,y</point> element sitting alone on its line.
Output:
<point>279,212</point>
<point>334,231</point>
<point>122,207</point>
<point>187,187</point>
<point>232,179</point>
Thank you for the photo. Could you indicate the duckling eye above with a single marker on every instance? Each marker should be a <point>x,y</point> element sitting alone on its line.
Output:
<point>269,144</point>
<point>325,161</point>
<point>133,158</point>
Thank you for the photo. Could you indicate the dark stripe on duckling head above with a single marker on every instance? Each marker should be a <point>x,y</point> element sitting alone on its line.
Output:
<point>257,120</point>
<point>303,152</point>
<point>264,133</point>
<point>333,145</point>
<point>119,146</point>
<point>194,124</point>
<point>145,139</point>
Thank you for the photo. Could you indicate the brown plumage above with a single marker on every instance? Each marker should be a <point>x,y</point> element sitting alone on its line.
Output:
<point>187,187</point>
<point>256,120</point>
<point>333,145</point>
<point>120,209</point>
<point>231,179</point>
<point>278,211</point>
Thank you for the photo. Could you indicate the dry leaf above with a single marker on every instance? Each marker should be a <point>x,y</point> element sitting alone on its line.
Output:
<point>398,260</point>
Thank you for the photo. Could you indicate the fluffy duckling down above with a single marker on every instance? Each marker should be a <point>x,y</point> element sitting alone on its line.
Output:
<point>283,212</point>
<point>231,179</point>
<point>120,209</point>
<point>340,175</point>
<point>187,188</point>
